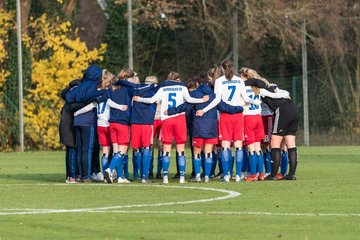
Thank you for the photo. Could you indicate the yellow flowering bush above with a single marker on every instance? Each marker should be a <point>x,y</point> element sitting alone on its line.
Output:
<point>5,25</point>
<point>56,59</point>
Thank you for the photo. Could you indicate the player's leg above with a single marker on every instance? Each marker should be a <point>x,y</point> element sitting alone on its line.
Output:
<point>275,156</point>
<point>293,157</point>
<point>146,142</point>
<point>253,160</point>
<point>284,163</point>
<point>208,149</point>
<point>197,143</point>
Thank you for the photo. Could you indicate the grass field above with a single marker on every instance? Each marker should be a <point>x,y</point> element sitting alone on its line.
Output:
<point>324,203</point>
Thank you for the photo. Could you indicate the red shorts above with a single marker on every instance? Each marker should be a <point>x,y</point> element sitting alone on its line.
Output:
<point>104,136</point>
<point>268,121</point>
<point>141,135</point>
<point>157,128</point>
<point>120,134</point>
<point>174,127</point>
<point>199,142</point>
<point>253,129</point>
<point>231,127</point>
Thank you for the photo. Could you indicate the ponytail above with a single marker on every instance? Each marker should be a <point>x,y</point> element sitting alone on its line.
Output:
<point>228,67</point>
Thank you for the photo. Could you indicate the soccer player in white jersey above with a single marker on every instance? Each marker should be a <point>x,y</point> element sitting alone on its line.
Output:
<point>230,89</point>
<point>254,129</point>
<point>172,94</point>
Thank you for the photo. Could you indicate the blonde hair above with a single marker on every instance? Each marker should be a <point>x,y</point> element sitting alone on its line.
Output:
<point>151,79</point>
<point>124,74</point>
<point>107,79</point>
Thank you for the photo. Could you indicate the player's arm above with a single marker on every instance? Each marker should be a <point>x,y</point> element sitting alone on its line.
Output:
<point>126,83</point>
<point>156,98</point>
<point>190,99</point>
<point>86,109</point>
<point>113,104</point>
<point>227,108</point>
<point>179,109</point>
<point>278,94</point>
<point>247,99</point>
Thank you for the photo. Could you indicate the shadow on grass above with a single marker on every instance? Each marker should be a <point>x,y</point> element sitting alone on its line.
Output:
<point>32,177</point>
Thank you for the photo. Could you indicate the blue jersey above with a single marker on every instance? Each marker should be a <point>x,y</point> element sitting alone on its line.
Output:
<point>121,96</point>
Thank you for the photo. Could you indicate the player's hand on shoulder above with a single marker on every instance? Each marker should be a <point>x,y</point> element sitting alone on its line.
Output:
<point>200,113</point>
<point>206,98</point>
<point>257,101</point>
<point>135,98</point>
<point>166,112</point>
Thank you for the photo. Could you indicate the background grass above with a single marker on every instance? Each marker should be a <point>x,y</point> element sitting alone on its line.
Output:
<point>328,182</point>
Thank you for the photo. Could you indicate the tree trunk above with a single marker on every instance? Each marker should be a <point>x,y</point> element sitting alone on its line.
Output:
<point>25,11</point>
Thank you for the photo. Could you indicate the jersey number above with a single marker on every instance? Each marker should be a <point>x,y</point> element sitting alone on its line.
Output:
<point>172,100</point>
<point>232,91</point>
<point>253,106</point>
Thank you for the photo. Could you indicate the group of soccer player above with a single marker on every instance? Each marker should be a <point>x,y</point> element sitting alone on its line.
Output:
<point>218,110</point>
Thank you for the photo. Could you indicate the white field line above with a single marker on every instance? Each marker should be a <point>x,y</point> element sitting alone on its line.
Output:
<point>113,209</point>
<point>24,211</point>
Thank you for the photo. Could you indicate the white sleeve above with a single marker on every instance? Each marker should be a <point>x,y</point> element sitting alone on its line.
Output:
<point>156,98</point>
<point>86,109</point>
<point>217,99</point>
<point>113,104</point>
<point>190,99</point>
<point>278,94</point>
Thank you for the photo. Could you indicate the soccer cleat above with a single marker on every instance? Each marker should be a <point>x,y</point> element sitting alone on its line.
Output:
<point>220,175</point>
<point>198,178</point>
<point>182,179</point>
<point>99,177</point>
<point>144,180</point>
<point>206,179</point>
<point>70,180</point>
<point>279,176</point>
<point>270,178</point>
<point>122,180</point>
<point>238,179</point>
<point>261,177</point>
<point>108,175</point>
<point>252,178</point>
<point>290,177</point>
<point>226,178</point>
<point>165,179</point>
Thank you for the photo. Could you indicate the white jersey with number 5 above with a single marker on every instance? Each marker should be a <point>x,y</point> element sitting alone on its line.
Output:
<point>171,96</point>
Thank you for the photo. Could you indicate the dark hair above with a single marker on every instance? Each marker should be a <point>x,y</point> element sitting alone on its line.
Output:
<point>174,76</point>
<point>203,78</point>
<point>191,82</point>
<point>126,73</point>
<point>228,67</point>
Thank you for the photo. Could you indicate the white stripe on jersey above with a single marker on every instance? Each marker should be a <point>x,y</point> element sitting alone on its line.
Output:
<point>251,109</point>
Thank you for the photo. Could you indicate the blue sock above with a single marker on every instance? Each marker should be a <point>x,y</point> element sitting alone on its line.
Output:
<point>197,163</point>
<point>203,162</point>
<point>284,163</point>
<point>231,163</point>
<point>225,161</point>
<point>117,161</point>
<point>208,164</point>
<point>166,163</point>
<point>159,162</point>
<point>239,161</point>
<point>145,162</point>
<point>253,162</point>
<point>126,165</point>
<point>182,163</point>
<point>140,163</point>
<point>151,168</point>
<point>213,164</point>
<point>104,162</point>
<point>220,163</point>
<point>260,158</point>
<point>268,162</point>
<point>245,166</point>
<point>135,161</point>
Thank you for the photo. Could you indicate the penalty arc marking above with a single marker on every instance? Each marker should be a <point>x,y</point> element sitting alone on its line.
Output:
<point>27,211</point>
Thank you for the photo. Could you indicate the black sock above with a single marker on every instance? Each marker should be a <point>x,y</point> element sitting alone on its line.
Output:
<point>275,161</point>
<point>293,160</point>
